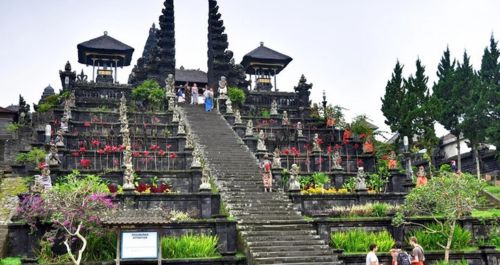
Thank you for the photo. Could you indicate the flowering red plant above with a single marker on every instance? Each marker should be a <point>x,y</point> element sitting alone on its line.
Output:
<point>145,153</point>
<point>329,149</point>
<point>121,148</point>
<point>173,155</point>
<point>86,124</point>
<point>96,143</point>
<point>319,160</point>
<point>108,149</point>
<point>359,162</point>
<point>161,152</point>
<point>136,154</point>
<point>82,150</point>
<point>362,136</point>
<point>154,147</point>
<point>101,151</point>
<point>169,146</point>
<point>285,152</point>
<point>337,146</point>
<point>42,165</point>
<point>356,146</point>
<point>85,163</point>
<point>112,188</point>
<point>319,141</point>
<point>141,187</point>
<point>75,153</point>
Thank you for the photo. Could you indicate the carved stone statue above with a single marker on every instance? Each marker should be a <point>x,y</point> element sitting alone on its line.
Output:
<point>293,183</point>
<point>261,145</point>
<point>277,158</point>
<point>421,176</point>
<point>361,179</point>
<point>64,124</point>
<point>43,182</point>
<point>229,106</point>
<point>237,117</point>
<point>393,162</point>
<point>274,107</point>
<point>171,103</point>
<point>170,87</point>
<point>180,128</point>
<point>189,142</point>
<point>337,160</point>
<point>175,116</point>
<point>299,129</point>
<point>205,180</point>
<point>72,99</point>
<point>249,131</point>
<point>52,158</point>
<point>128,177</point>
<point>59,138</point>
<point>196,163</point>
<point>285,120</point>
<point>316,146</point>
<point>67,109</point>
<point>223,88</point>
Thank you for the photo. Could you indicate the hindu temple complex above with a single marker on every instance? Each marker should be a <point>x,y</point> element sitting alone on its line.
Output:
<point>172,169</point>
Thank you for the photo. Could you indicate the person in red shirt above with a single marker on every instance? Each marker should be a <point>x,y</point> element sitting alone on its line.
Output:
<point>267,177</point>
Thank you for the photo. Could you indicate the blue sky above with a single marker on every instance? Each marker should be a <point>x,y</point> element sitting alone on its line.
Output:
<point>347,48</point>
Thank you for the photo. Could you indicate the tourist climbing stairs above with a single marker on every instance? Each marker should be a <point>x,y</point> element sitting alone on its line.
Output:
<point>272,231</point>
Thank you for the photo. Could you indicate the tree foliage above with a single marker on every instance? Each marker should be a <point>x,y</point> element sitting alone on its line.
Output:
<point>446,198</point>
<point>393,100</point>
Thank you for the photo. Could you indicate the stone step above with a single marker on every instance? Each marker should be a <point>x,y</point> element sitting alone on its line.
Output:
<point>261,233</point>
<point>289,248</point>
<point>266,227</point>
<point>294,260</point>
<point>291,253</point>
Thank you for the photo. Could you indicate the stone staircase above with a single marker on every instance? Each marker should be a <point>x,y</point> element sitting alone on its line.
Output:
<point>272,231</point>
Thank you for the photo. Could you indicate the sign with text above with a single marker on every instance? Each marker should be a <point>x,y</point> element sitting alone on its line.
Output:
<point>139,245</point>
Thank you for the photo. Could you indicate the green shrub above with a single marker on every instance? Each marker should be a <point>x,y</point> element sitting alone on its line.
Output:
<point>320,179</point>
<point>149,91</point>
<point>189,246</point>
<point>431,241</point>
<point>350,184</point>
<point>34,156</point>
<point>265,113</point>
<point>10,261</point>
<point>236,95</point>
<point>380,209</point>
<point>100,246</point>
<point>358,240</point>
<point>12,127</point>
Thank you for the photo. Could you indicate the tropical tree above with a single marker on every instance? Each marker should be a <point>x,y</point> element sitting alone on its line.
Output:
<point>446,198</point>
<point>447,96</point>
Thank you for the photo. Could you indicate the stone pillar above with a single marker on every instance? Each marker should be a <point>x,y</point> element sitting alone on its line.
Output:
<point>229,118</point>
<point>251,142</point>
<point>396,181</point>
<point>239,129</point>
<point>277,179</point>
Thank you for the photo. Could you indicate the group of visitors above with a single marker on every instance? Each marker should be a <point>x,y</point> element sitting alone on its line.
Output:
<point>399,256</point>
<point>191,95</point>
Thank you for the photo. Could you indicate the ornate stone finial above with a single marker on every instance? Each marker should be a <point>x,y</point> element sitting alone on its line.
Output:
<point>67,67</point>
<point>337,160</point>
<point>316,143</point>
<point>249,131</point>
<point>105,33</point>
<point>274,107</point>
<point>261,145</point>
<point>302,90</point>
<point>277,158</point>
<point>205,180</point>
<point>64,124</point>
<point>237,117</point>
<point>223,88</point>
<point>196,163</point>
<point>285,120</point>
<point>261,43</point>
<point>82,76</point>
<point>293,183</point>
<point>52,158</point>
<point>361,179</point>
<point>229,106</point>
<point>299,129</point>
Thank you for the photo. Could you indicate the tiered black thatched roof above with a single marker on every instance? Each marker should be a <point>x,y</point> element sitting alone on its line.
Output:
<point>265,57</point>
<point>104,47</point>
<point>190,75</point>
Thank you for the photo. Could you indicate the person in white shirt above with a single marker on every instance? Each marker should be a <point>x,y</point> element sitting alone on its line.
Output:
<point>371,257</point>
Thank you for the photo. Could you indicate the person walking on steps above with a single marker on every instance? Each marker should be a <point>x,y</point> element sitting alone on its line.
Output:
<point>194,94</point>
<point>209,99</point>
<point>371,257</point>
<point>267,177</point>
<point>417,253</point>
